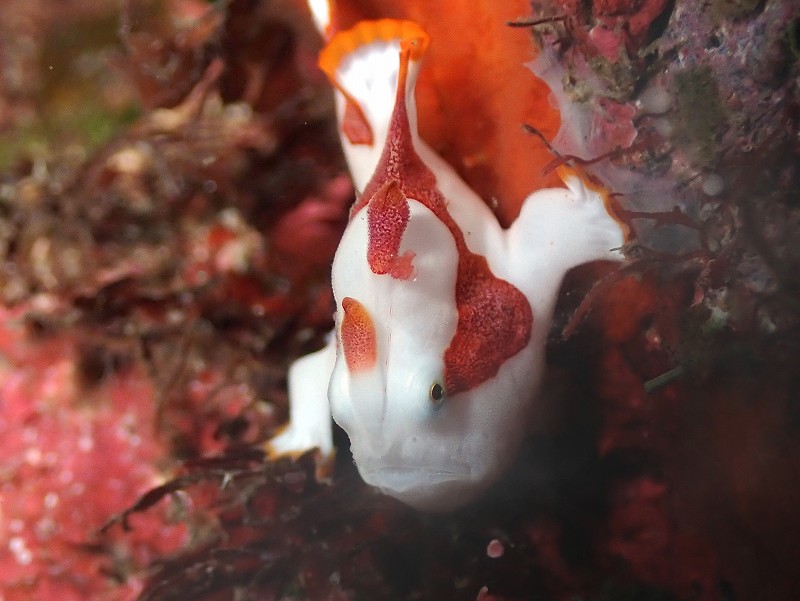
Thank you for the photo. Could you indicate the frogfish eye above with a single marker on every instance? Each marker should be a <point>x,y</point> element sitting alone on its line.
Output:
<point>436,394</point>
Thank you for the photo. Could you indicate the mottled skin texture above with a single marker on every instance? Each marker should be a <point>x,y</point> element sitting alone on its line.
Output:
<point>460,307</point>
<point>357,333</point>
<point>388,214</point>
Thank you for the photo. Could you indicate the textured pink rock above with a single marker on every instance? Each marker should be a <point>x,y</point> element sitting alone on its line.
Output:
<point>70,458</point>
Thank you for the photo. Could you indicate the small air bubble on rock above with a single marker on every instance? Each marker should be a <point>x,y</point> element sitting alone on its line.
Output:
<point>656,99</point>
<point>713,184</point>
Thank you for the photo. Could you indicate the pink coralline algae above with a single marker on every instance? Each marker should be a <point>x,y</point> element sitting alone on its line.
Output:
<point>72,457</point>
<point>612,27</point>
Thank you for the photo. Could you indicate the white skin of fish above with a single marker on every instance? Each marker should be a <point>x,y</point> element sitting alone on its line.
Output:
<point>435,457</point>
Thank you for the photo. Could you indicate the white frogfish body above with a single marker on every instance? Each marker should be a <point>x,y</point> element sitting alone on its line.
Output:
<point>441,315</point>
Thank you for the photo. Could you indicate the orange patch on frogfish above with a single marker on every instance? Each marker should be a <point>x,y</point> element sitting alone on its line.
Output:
<point>387,218</point>
<point>358,338</point>
<point>494,323</point>
<point>475,92</point>
<point>355,125</point>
